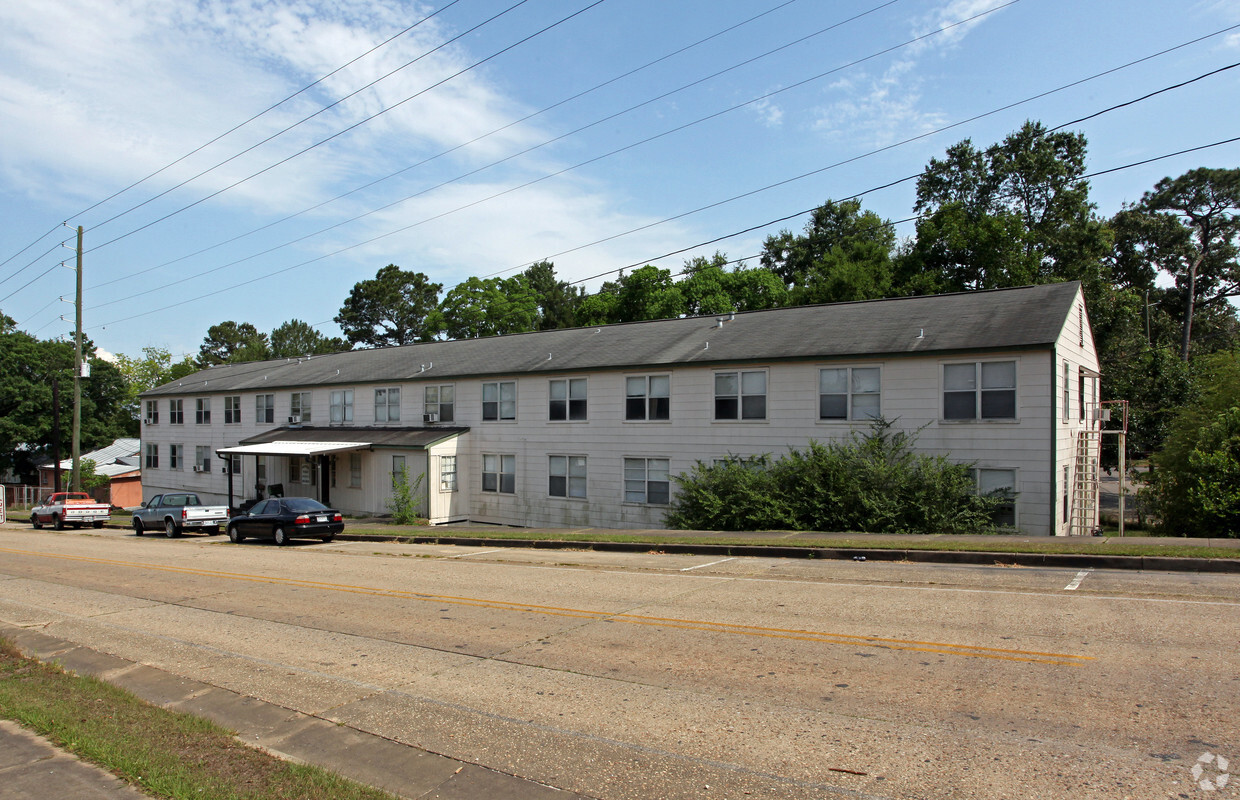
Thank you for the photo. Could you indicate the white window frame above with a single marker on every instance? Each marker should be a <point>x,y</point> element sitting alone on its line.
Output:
<point>355,470</point>
<point>851,394</point>
<point>573,470</point>
<point>447,474</point>
<point>979,390</point>
<point>264,409</point>
<point>202,457</point>
<point>152,412</point>
<point>176,455</point>
<point>978,481</point>
<point>499,473</point>
<point>232,409</point>
<point>741,394</point>
<point>299,406</point>
<point>399,462</point>
<point>176,412</point>
<point>567,400</point>
<point>433,401</point>
<point>387,404</point>
<point>639,485</point>
<point>341,407</point>
<point>202,410</point>
<point>152,456</point>
<point>639,391</point>
<point>505,410</point>
<point>1067,391</point>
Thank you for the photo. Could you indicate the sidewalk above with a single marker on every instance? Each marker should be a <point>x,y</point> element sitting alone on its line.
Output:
<point>32,769</point>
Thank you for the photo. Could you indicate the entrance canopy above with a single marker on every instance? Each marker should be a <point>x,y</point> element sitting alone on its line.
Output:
<point>286,448</point>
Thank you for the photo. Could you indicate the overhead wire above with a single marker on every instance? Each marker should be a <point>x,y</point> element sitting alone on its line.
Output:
<point>355,125</point>
<point>630,146</point>
<point>236,127</point>
<point>454,148</point>
<point>778,183</point>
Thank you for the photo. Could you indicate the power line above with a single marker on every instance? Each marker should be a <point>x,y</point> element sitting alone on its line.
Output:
<point>514,155</point>
<point>639,263</point>
<point>743,195</point>
<point>453,149</point>
<point>356,125</point>
<point>237,127</point>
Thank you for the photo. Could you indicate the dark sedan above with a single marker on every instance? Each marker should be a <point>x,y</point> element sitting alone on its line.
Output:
<point>286,518</point>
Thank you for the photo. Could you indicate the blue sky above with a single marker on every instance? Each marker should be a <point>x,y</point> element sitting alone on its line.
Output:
<point>95,97</point>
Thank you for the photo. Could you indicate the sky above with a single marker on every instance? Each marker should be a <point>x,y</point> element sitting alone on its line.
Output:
<point>252,160</point>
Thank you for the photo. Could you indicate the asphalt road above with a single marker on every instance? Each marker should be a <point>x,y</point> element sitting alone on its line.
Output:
<point>669,676</point>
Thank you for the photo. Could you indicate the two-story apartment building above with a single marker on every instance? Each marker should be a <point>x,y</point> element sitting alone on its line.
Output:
<point>589,426</point>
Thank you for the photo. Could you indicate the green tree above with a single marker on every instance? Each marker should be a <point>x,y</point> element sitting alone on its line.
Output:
<point>1195,480</point>
<point>844,254</point>
<point>232,343</point>
<point>481,307</point>
<point>1189,227</point>
<point>644,294</point>
<point>710,288</point>
<point>1014,214</point>
<point>557,301</point>
<point>296,338</point>
<point>154,368</point>
<point>395,307</point>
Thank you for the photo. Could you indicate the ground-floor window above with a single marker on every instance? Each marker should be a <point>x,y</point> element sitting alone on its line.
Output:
<point>447,473</point>
<point>355,470</point>
<point>567,476</point>
<point>999,483</point>
<point>646,480</point>
<point>499,473</point>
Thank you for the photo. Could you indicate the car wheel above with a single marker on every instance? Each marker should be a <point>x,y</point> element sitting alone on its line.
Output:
<point>235,536</point>
<point>34,521</point>
<point>57,522</point>
<point>281,536</point>
<point>170,529</point>
<point>137,527</point>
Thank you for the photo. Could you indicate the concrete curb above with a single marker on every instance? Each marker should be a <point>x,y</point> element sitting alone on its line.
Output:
<point>1060,560</point>
<point>401,769</point>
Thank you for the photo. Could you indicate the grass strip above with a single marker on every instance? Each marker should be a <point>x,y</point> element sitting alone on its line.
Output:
<point>163,753</point>
<point>997,544</point>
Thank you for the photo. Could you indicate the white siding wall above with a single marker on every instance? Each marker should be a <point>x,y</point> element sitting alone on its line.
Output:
<point>911,397</point>
<point>1076,347</point>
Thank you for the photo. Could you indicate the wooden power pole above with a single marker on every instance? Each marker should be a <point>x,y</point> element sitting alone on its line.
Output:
<point>77,375</point>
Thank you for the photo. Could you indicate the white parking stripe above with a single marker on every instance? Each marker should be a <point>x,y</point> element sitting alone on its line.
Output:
<point>711,564</point>
<point>1080,576</point>
<point>478,553</point>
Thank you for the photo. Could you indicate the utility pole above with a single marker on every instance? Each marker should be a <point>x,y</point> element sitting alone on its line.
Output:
<point>55,434</point>
<point>77,375</point>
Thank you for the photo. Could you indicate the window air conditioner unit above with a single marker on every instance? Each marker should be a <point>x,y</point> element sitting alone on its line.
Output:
<point>430,417</point>
<point>198,468</point>
<point>295,419</point>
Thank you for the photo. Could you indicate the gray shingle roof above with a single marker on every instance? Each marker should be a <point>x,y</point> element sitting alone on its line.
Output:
<point>1026,317</point>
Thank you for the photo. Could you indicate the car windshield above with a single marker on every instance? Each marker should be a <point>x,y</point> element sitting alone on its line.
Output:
<point>299,504</point>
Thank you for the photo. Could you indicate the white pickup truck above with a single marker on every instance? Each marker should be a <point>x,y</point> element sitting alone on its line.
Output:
<point>70,508</point>
<point>176,511</point>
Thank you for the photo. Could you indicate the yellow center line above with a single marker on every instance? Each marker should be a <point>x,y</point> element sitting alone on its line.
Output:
<point>794,634</point>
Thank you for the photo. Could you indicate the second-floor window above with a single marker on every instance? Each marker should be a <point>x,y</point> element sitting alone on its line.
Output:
<point>342,406</point>
<point>152,412</point>
<point>440,403</point>
<point>176,412</point>
<point>499,400</point>
<point>568,399</point>
<point>232,410</point>
<point>202,411</point>
<point>740,395</point>
<point>648,397</point>
<point>264,408</point>
<point>299,407</point>
<point>387,404</point>
<point>981,390</point>
<point>849,393</point>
